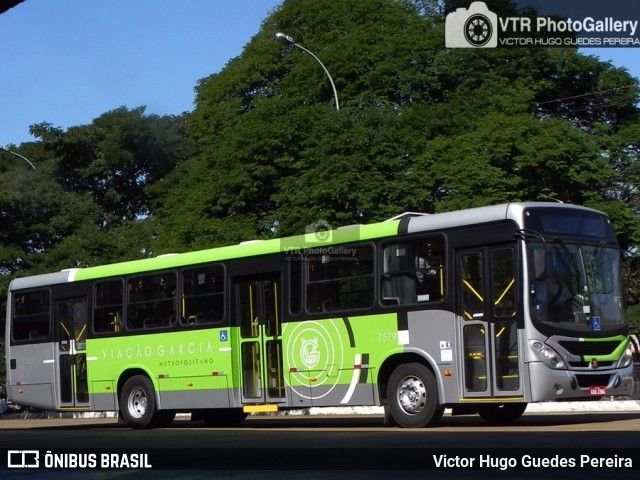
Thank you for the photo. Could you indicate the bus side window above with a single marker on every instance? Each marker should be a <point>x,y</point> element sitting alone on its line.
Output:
<point>340,281</point>
<point>107,312</point>
<point>413,272</point>
<point>398,280</point>
<point>295,283</point>
<point>31,317</point>
<point>152,301</point>
<point>202,295</point>
<point>472,276</point>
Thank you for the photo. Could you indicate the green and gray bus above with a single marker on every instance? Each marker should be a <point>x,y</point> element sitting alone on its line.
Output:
<point>481,311</point>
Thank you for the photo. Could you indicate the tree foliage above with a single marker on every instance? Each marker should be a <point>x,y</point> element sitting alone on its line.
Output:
<point>421,127</point>
<point>89,199</point>
<point>265,151</point>
<point>116,158</point>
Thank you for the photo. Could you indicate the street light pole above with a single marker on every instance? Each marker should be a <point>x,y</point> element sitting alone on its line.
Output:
<point>19,156</point>
<point>286,39</point>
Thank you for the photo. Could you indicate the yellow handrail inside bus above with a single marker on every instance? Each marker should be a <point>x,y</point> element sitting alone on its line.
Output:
<point>473,290</point>
<point>115,321</point>
<point>513,281</point>
<point>254,320</point>
<point>84,327</point>
<point>64,327</point>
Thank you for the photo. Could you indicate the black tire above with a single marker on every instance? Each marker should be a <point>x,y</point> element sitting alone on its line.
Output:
<point>138,405</point>
<point>502,412</point>
<point>220,417</point>
<point>413,396</point>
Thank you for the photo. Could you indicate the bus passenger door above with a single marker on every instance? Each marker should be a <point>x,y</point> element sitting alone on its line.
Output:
<point>259,315</point>
<point>71,336</point>
<point>489,317</point>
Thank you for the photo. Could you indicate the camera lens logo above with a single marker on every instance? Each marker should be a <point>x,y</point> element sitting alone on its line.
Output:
<point>478,30</point>
<point>321,231</point>
<point>471,28</point>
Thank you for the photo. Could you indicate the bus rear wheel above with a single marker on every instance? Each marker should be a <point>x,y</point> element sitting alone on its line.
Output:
<point>413,396</point>
<point>502,412</point>
<point>138,404</point>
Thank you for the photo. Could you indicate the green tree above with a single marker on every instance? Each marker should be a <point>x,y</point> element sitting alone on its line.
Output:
<point>116,159</point>
<point>112,169</point>
<point>421,127</point>
<point>275,155</point>
<point>35,215</point>
<point>88,201</point>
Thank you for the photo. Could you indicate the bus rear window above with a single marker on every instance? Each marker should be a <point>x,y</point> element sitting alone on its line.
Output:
<point>31,319</point>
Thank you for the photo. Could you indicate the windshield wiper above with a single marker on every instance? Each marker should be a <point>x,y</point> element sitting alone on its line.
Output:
<point>574,265</point>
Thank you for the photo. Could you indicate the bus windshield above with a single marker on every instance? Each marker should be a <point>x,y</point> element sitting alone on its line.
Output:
<point>578,289</point>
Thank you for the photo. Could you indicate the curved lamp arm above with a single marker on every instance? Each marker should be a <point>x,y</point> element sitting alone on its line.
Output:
<point>19,156</point>
<point>286,39</point>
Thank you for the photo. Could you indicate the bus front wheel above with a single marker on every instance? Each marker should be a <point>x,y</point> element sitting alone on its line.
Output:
<point>413,396</point>
<point>138,404</point>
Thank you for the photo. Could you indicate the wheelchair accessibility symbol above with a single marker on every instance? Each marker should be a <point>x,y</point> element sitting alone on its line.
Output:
<point>224,336</point>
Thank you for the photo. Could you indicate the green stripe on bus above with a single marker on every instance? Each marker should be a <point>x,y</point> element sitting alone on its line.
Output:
<point>249,249</point>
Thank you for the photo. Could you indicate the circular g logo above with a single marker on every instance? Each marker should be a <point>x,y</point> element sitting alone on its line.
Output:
<point>309,353</point>
<point>313,349</point>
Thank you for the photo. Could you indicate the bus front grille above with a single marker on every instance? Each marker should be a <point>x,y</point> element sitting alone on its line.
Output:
<point>585,381</point>
<point>590,348</point>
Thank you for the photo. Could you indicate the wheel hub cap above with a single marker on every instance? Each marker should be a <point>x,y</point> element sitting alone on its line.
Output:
<point>137,403</point>
<point>412,395</point>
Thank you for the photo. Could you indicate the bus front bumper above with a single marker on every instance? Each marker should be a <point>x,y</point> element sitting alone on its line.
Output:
<point>548,385</point>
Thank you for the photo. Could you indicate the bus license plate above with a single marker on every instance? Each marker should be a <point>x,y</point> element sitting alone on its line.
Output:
<point>599,391</point>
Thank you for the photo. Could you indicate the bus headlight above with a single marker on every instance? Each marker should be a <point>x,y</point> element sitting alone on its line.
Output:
<point>626,358</point>
<point>548,355</point>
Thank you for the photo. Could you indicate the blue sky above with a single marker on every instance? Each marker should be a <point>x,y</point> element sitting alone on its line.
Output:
<point>67,62</point>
